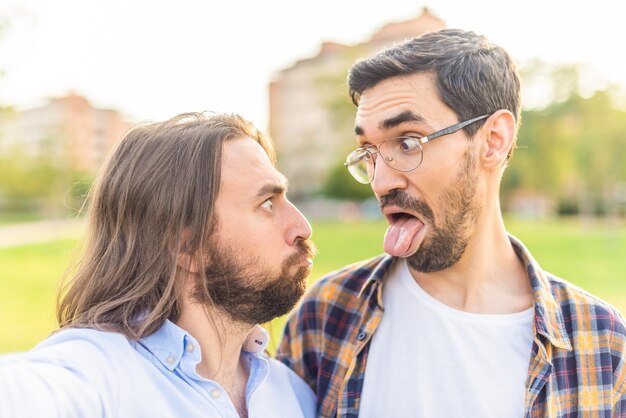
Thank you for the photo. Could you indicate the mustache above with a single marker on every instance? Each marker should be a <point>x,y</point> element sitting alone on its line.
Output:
<point>403,200</point>
<point>305,249</point>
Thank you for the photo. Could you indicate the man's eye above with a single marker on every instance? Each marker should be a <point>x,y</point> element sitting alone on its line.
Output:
<point>268,205</point>
<point>409,144</point>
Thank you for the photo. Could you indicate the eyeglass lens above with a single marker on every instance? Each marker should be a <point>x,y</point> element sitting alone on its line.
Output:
<point>403,154</point>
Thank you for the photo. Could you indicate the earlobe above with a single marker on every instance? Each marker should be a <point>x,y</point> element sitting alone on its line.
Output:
<point>184,259</point>
<point>500,137</point>
<point>186,262</point>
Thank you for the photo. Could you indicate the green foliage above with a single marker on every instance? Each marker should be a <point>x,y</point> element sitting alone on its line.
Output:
<point>341,185</point>
<point>573,151</point>
<point>40,185</point>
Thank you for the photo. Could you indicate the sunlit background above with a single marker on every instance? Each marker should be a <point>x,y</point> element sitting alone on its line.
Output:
<point>74,75</point>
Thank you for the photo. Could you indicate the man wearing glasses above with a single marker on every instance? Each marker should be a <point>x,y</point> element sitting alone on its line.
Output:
<point>457,319</point>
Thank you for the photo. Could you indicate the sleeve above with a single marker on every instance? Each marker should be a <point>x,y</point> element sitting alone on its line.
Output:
<point>618,359</point>
<point>40,389</point>
<point>68,380</point>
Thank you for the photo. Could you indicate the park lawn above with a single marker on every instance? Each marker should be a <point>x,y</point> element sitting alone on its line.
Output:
<point>592,256</point>
<point>28,284</point>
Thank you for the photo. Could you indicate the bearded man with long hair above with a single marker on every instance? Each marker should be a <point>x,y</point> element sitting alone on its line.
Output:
<point>191,244</point>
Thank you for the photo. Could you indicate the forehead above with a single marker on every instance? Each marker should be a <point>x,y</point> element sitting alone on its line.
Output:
<point>246,167</point>
<point>415,93</point>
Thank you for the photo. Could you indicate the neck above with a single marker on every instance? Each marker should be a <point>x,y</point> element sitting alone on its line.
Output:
<point>221,341</point>
<point>489,278</point>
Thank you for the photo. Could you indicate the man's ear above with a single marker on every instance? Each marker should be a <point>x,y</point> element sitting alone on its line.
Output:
<point>499,138</point>
<point>185,260</point>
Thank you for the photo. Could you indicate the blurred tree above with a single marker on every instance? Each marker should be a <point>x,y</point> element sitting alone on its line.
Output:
<point>341,185</point>
<point>40,185</point>
<point>573,149</point>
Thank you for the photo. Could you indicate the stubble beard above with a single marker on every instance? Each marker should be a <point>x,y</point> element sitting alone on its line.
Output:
<point>445,244</point>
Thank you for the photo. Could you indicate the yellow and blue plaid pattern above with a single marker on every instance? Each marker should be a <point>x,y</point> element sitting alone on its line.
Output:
<point>577,361</point>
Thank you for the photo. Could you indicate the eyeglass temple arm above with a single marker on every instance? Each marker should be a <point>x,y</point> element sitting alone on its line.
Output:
<point>452,129</point>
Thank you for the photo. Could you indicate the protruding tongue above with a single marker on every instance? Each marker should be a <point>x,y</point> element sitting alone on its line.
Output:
<point>400,234</point>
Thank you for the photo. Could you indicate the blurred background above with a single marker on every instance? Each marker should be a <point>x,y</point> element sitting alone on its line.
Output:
<point>75,75</point>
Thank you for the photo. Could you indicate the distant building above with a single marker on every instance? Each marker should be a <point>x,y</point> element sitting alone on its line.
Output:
<point>68,129</point>
<point>310,139</point>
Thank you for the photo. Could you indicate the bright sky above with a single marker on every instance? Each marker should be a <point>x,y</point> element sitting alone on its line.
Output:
<point>153,59</point>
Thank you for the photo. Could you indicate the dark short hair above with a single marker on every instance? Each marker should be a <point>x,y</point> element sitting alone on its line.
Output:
<point>473,76</point>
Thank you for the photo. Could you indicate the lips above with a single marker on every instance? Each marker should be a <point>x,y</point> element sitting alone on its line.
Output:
<point>305,252</point>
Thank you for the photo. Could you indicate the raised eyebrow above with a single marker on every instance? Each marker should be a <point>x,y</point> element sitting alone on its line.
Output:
<point>406,116</point>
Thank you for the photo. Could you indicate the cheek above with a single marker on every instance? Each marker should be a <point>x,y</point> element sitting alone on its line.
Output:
<point>238,228</point>
<point>261,231</point>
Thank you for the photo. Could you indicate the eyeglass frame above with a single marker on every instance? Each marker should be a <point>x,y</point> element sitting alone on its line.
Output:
<point>421,141</point>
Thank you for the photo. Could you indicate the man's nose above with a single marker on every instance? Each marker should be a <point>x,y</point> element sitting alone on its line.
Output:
<point>386,178</point>
<point>299,227</point>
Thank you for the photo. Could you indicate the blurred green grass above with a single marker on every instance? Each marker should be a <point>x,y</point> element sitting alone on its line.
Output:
<point>30,276</point>
<point>591,255</point>
<point>6,219</point>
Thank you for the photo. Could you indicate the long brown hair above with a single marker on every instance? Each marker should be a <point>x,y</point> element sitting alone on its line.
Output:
<point>159,183</point>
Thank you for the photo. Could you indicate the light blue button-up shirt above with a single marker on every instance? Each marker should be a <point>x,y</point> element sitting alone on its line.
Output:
<point>90,373</point>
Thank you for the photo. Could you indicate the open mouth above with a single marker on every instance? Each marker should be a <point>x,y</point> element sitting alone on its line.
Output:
<point>394,217</point>
<point>395,214</point>
<point>402,236</point>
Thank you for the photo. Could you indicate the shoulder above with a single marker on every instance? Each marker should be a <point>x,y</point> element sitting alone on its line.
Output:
<point>71,372</point>
<point>332,307</point>
<point>583,311</point>
<point>85,337</point>
<point>596,329</point>
<point>84,348</point>
<point>337,294</point>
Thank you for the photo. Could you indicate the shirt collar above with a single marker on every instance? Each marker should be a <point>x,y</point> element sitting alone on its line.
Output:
<point>168,343</point>
<point>548,315</point>
<point>380,267</point>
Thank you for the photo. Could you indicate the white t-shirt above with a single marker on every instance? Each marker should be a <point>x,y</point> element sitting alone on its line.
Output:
<point>429,360</point>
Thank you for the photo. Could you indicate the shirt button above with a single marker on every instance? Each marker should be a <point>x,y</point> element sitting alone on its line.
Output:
<point>170,359</point>
<point>361,336</point>
<point>190,348</point>
<point>215,393</point>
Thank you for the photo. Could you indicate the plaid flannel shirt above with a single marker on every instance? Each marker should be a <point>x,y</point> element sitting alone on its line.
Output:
<point>577,360</point>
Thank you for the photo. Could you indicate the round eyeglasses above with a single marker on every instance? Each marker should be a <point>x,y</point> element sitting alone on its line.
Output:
<point>403,153</point>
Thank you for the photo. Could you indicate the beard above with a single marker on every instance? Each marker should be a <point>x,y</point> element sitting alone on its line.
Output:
<point>446,243</point>
<point>248,291</point>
